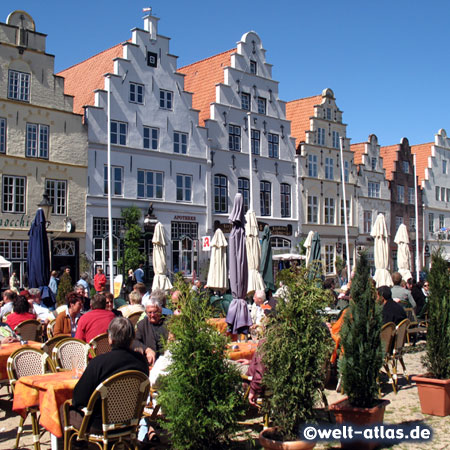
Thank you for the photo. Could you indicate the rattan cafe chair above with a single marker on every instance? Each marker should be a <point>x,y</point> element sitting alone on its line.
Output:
<point>68,350</point>
<point>134,318</point>
<point>397,352</point>
<point>387,338</point>
<point>29,330</point>
<point>100,344</point>
<point>49,345</point>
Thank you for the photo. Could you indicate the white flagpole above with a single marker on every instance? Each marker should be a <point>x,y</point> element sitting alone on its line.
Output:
<point>417,222</point>
<point>250,167</point>
<point>344,198</point>
<point>110,233</point>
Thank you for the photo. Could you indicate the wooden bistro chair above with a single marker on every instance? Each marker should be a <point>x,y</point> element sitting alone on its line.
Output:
<point>415,326</point>
<point>100,344</point>
<point>397,351</point>
<point>123,397</point>
<point>135,317</point>
<point>67,349</point>
<point>387,337</point>
<point>24,362</point>
<point>29,330</point>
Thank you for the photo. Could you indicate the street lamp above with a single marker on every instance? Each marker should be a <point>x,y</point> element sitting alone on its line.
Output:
<point>46,207</point>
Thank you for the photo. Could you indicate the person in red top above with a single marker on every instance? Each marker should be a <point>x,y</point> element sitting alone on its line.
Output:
<point>21,312</point>
<point>96,321</point>
<point>99,280</point>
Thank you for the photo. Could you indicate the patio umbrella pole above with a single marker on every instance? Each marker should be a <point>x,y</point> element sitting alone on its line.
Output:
<point>250,200</point>
<point>417,222</point>
<point>110,242</point>
<point>344,198</point>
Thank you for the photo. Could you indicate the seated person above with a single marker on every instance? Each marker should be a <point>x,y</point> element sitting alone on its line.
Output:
<point>21,312</point>
<point>401,294</point>
<point>151,332</point>
<point>67,321</point>
<point>392,311</point>
<point>110,304</point>
<point>121,357</point>
<point>42,312</point>
<point>9,297</point>
<point>7,336</point>
<point>135,305</point>
<point>96,321</point>
<point>80,290</point>
<point>257,312</point>
<point>160,295</point>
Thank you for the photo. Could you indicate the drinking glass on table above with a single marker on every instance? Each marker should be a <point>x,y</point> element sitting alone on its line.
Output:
<point>77,371</point>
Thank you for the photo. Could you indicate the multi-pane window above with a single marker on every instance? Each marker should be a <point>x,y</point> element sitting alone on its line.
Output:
<point>285,190</point>
<point>411,196</point>
<point>442,194</point>
<point>116,180</point>
<point>321,136</point>
<point>149,184</point>
<point>312,166</point>
<point>448,194</point>
<point>261,105</point>
<point>220,194</point>
<point>329,210</point>
<point>19,85</point>
<point>329,168</point>
<point>312,209</point>
<point>373,163</point>
<point>118,132</point>
<point>346,171</point>
<point>444,166</point>
<point>37,140</point>
<point>431,222</point>
<point>405,165</point>
<point>438,192</point>
<point>329,259</point>
<point>367,221</point>
<point>335,139</point>
<point>441,221</point>
<point>274,145</point>
<point>253,67</point>
<point>2,135</point>
<point>180,142</point>
<point>412,224</point>
<point>347,203</point>
<point>57,195</point>
<point>398,221</point>
<point>244,189</point>
<point>136,93</point>
<point>184,188</point>
<point>165,99</point>
<point>256,141</point>
<point>328,115</point>
<point>400,194</point>
<point>245,101</point>
<point>234,138</point>
<point>151,138</point>
<point>373,189</point>
<point>13,194</point>
<point>265,197</point>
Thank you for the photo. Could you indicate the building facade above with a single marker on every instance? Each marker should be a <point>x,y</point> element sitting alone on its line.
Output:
<point>43,147</point>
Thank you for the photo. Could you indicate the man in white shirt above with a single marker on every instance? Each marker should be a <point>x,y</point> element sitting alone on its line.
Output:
<point>8,302</point>
<point>42,312</point>
<point>257,313</point>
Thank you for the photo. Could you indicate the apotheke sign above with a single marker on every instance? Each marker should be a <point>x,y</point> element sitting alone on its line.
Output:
<point>22,221</point>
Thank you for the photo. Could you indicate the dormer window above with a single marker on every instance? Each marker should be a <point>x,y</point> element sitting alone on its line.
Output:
<point>373,163</point>
<point>253,67</point>
<point>19,86</point>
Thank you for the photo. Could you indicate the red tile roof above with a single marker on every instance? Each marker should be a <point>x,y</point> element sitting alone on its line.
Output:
<point>359,150</point>
<point>201,79</point>
<point>422,152</point>
<point>299,112</point>
<point>390,156</point>
<point>82,79</point>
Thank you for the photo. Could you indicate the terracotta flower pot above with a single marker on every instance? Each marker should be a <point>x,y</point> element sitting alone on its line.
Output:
<point>434,395</point>
<point>347,414</point>
<point>265,439</point>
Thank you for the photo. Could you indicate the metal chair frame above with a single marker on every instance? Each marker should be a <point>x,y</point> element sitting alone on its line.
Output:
<point>100,344</point>
<point>400,335</point>
<point>387,334</point>
<point>65,365</point>
<point>32,334</point>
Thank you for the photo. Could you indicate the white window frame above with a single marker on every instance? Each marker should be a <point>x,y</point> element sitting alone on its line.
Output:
<point>19,84</point>
<point>184,188</point>
<point>180,142</point>
<point>346,171</point>
<point>265,198</point>
<point>244,189</point>
<point>14,190</point>
<point>234,138</point>
<point>136,93</point>
<point>329,211</point>
<point>37,140</point>
<point>220,193</point>
<point>156,184</point>
<point>253,67</point>
<point>313,209</point>
<point>329,168</point>
<point>262,105</point>
<point>348,212</point>
<point>444,166</point>
<point>57,195</point>
<point>431,222</point>
<point>400,193</point>
<point>166,99</point>
<point>367,221</point>
<point>256,142</point>
<point>329,259</point>
<point>441,221</point>
<point>411,196</point>
<point>274,145</point>
<point>115,181</point>
<point>119,132</point>
<point>285,199</point>
<point>437,190</point>
<point>3,129</point>
<point>321,136</point>
<point>312,166</point>
<point>245,101</point>
<point>373,189</point>
<point>150,142</point>
<point>335,135</point>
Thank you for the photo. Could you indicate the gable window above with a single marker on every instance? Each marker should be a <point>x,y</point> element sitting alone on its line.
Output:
<point>346,171</point>
<point>118,132</point>
<point>13,194</point>
<point>165,99</point>
<point>37,140</point>
<point>321,136</point>
<point>329,168</point>
<point>184,188</point>
<point>431,222</point>
<point>312,209</point>
<point>285,191</point>
<point>400,194</point>
<point>373,163</point>
<point>347,204</point>
<point>234,138</point>
<point>245,101</point>
<point>2,135</point>
<point>367,221</point>
<point>220,194</point>
<point>373,189</point>
<point>329,210</point>
<point>149,184</point>
<point>328,113</point>
<point>19,85</point>
<point>57,195</point>
<point>411,196</point>
<point>405,165</point>
<point>136,93</point>
<point>265,194</point>
<point>261,105</point>
<point>335,139</point>
<point>253,66</point>
<point>180,142</point>
<point>151,138</point>
<point>274,143</point>
<point>244,189</point>
<point>312,166</point>
<point>116,180</point>
<point>444,166</point>
<point>256,135</point>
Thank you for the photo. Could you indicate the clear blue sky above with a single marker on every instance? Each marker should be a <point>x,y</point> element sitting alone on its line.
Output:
<point>386,60</point>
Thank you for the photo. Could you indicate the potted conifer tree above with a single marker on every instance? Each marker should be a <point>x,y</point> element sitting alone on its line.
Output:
<point>294,354</point>
<point>362,357</point>
<point>434,387</point>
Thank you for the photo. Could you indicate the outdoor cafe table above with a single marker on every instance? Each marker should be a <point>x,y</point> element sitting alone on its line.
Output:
<point>244,350</point>
<point>47,391</point>
<point>7,349</point>
<point>219,324</point>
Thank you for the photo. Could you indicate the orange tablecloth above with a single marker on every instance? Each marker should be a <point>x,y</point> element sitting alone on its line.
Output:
<point>49,391</point>
<point>245,350</point>
<point>219,324</point>
<point>6,350</point>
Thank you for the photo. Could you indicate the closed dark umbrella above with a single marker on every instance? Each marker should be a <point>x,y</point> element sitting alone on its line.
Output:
<point>314,263</point>
<point>238,317</point>
<point>266,266</point>
<point>38,259</point>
